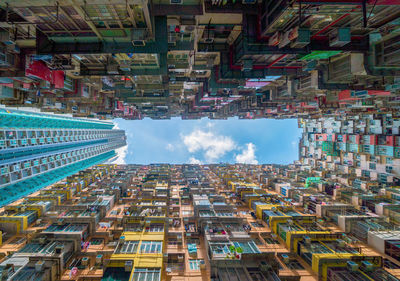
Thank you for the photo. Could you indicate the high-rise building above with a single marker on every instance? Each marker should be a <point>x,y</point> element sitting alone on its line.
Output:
<point>192,59</point>
<point>217,222</point>
<point>39,149</point>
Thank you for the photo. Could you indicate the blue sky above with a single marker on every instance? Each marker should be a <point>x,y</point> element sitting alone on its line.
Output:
<point>206,141</point>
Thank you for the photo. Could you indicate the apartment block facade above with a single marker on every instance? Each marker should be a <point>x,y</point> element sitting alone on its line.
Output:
<point>39,149</point>
<point>202,222</point>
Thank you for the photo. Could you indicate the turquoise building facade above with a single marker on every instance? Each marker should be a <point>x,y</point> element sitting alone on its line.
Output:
<point>39,149</point>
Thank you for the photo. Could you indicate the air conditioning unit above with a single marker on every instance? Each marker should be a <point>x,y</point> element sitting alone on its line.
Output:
<point>352,266</point>
<point>285,258</point>
<point>344,68</point>
<point>208,36</point>
<point>247,65</point>
<point>139,37</point>
<point>6,38</point>
<point>308,83</point>
<point>210,62</point>
<point>172,38</point>
<point>85,261</point>
<point>59,249</point>
<point>113,69</point>
<point>301,38</point>
<point>63,64</point>
<point>99,259</point>
<point>340,242</point>
<point>202,265</point>
<point>128,266</point>
<point>311,65</point>
<point>386,54</point>
<point>367,266</point>
<point>39,266</point>
<point>340,37</point>
<point>275,39</point>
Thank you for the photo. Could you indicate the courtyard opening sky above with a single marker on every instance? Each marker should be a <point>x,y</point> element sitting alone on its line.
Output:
<point>207,141</point>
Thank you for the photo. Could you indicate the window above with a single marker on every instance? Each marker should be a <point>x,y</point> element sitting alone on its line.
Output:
<point>151,247</point>
<point>148,274</point>
<point>248,247</point>
<point>270,240</point>
<point>365,173</point>
<point>220,247</point>
<point>256,224</point>
<point>155,228</point>
<point>134,227</point>
<point>195,264</point>
<point>127,247</point>
<point>389,169</point>
<point>224,214</point>
<point>372,166</point>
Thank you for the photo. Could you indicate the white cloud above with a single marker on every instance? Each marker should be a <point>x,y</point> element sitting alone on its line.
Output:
<point>247,156</point>
<point>116,127</point>
<point>193,160</point>
<point>212,145</point>
<point>121,154</point>
<point>294,144</point>
<point>169,147</point>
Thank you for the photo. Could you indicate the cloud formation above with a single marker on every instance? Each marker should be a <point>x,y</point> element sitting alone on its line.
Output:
<point>121,154</point>
<point>212,145</point>
<point>169,147</point>
<point>248,155</point>
<point>193,160</point>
